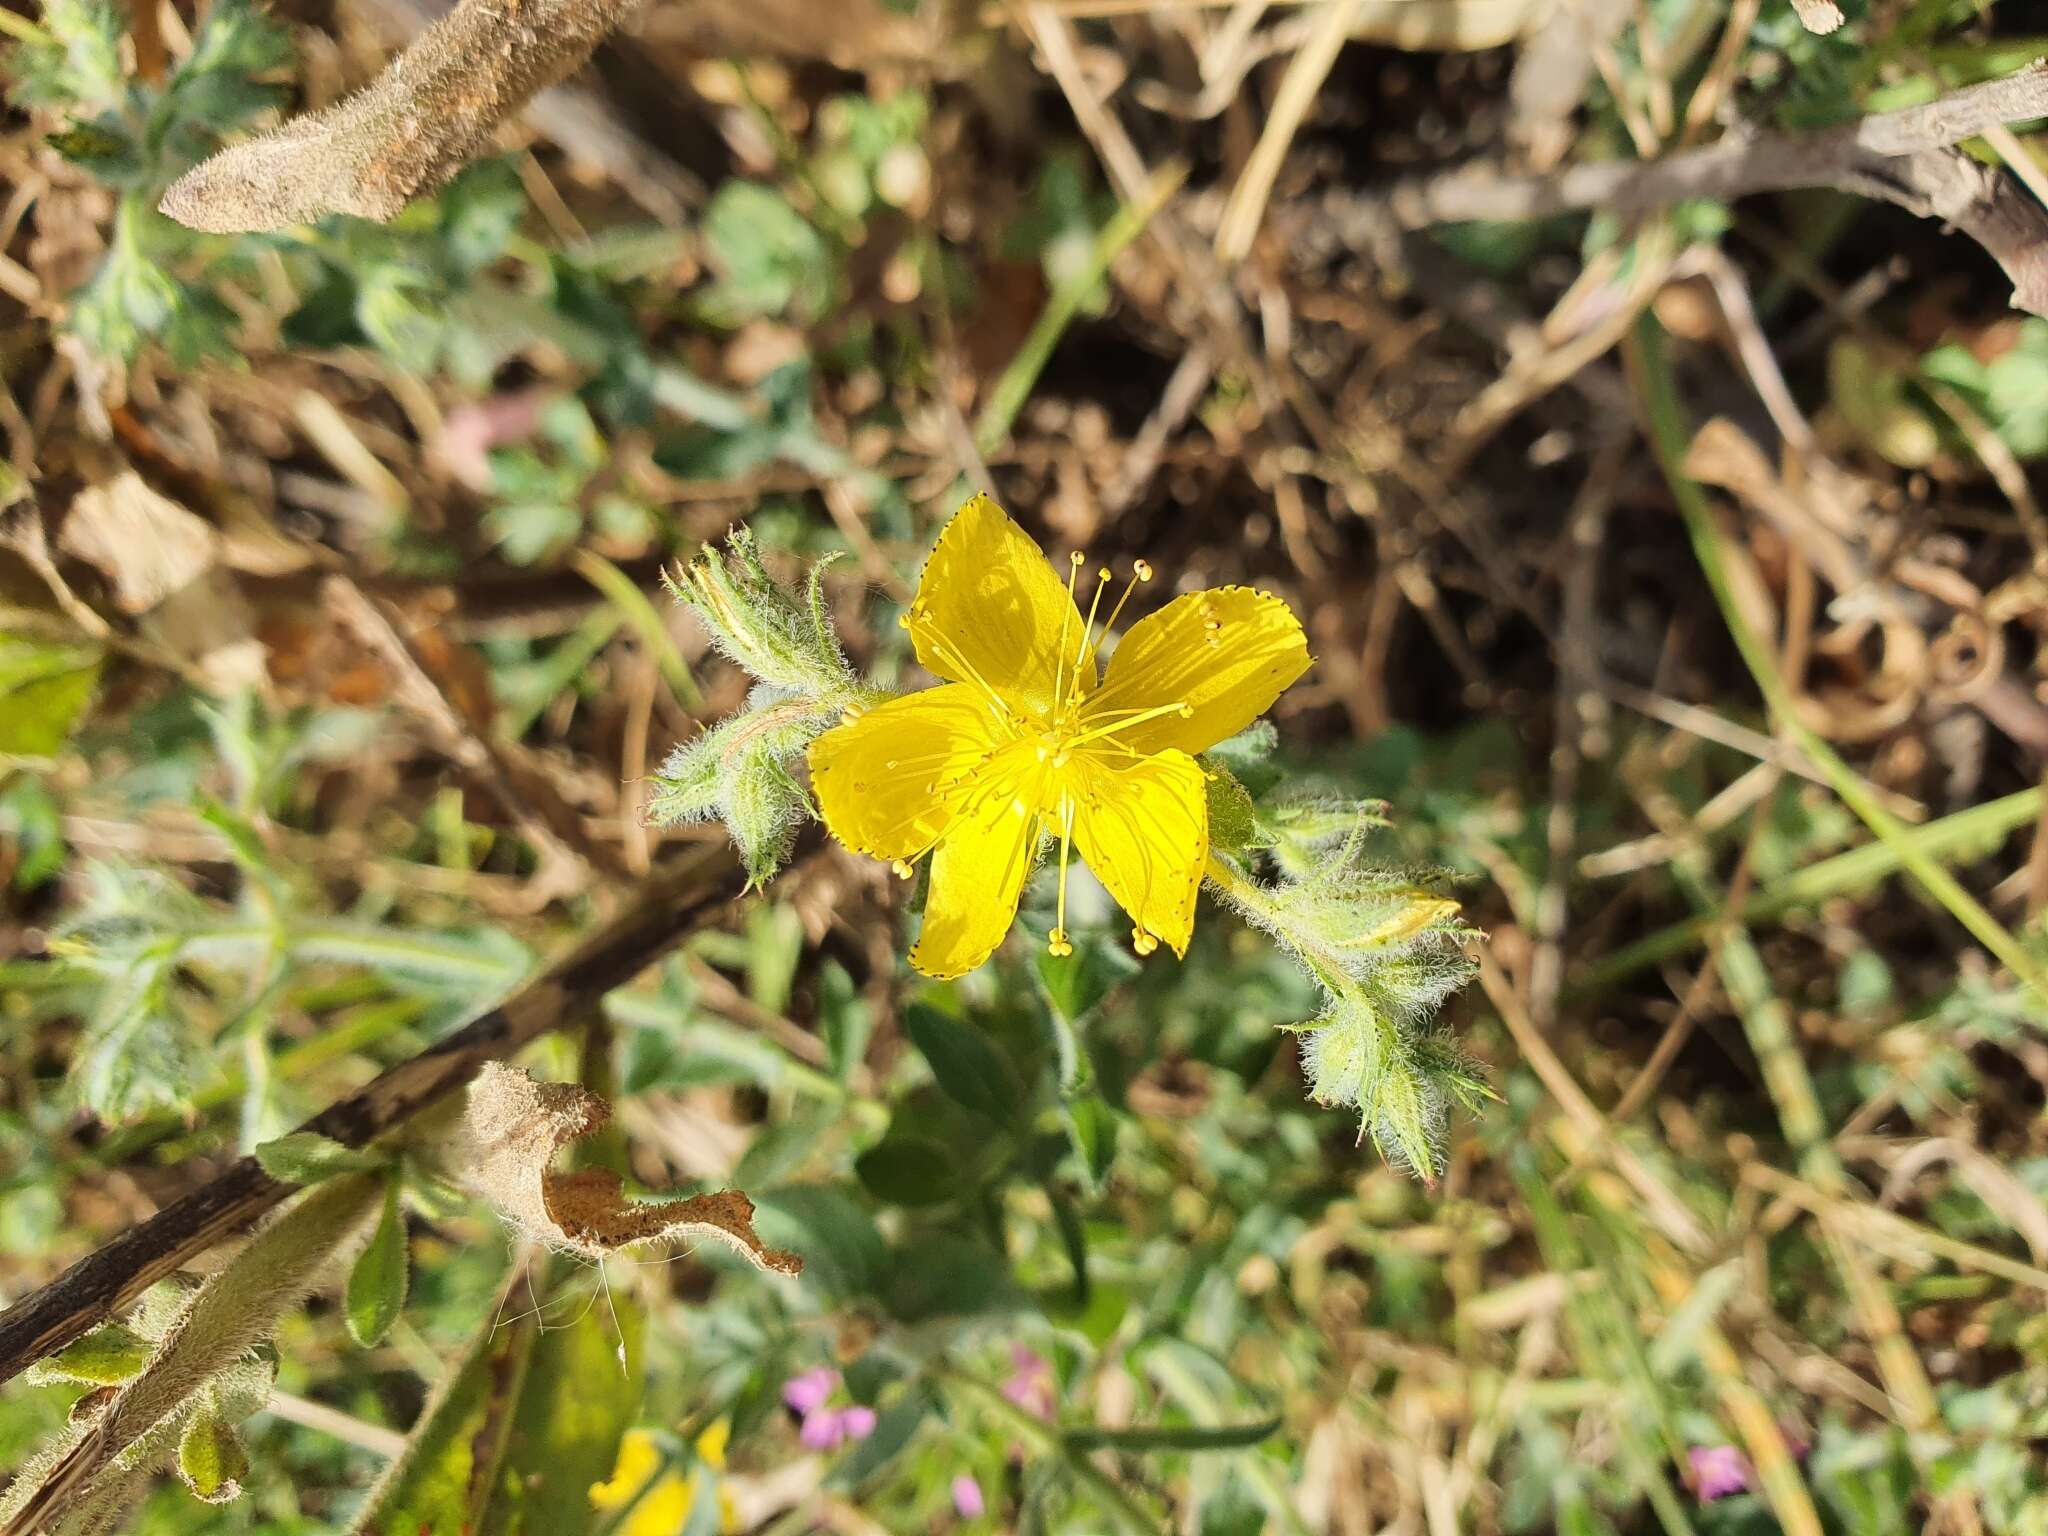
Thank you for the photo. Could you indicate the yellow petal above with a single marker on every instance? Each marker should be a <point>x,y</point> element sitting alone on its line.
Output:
<point>881,780</point>
<point>665,1511</point>
<point>639,1456</point>
<point>979,869</point>
<point>1226,653</point>
<point>1142,824</point>
<point>990,607</point>
<point>711,1443</point>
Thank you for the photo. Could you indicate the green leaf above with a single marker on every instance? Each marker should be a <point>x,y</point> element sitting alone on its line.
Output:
<point>451,1459</point>
<point>767,258</point>
<point>1189,1437</point>
<point>969,1069</point>
<point>513,1439</point>
<point>894,1429</point>
<point>909,1170</point>
<point>579,1396</point>
<point>1091,1126</point>
<point>305,1157</point>
<point>107,1356</point>
<point>843,1252</point>
<point>376,1285</point>
<point>44,687</point>
<point>31,816</point>
<point>780,1149</point>
<point>211,1460</point>
<point>952,1277</point>
<point>1074,984</point>
<point>102,148</point>
<point>1233,819</point>
<point>847,1020</point>
<point>76,63</point>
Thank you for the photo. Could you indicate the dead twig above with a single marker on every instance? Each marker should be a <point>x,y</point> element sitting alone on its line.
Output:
<point>432,111</point>
<point>1905,158</point>
<point>688,897</point>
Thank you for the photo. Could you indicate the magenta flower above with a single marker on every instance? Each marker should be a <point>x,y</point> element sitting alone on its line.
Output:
<point>1030,1385</point>
<point>807,1393</point>
<point>967,1498</point>
<point>824,1428</point>
<point>1717,1471</point>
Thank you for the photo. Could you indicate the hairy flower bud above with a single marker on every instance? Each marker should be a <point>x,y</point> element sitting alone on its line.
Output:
<point>763,626</point>
<point>740,772</point>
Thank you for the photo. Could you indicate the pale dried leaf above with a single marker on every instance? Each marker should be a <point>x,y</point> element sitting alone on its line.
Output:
<point>511,1132</point>
<point>1822,16</point>
<point>164,563</point>
<point>144,543</point>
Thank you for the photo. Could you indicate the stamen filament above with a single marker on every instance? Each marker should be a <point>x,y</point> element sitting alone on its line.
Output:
<point>1059,676</point>
<point>1057,941</point>
<point>1101,579</point>
<point>950,653</point>
<point>1181,709</point>
<point>1142,571</point>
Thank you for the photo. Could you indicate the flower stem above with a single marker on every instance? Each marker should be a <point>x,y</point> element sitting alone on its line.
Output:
<point>1256,901</point>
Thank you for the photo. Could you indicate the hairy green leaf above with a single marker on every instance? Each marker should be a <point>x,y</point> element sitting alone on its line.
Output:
<point>305,1157</point>
<point>377,1283</point>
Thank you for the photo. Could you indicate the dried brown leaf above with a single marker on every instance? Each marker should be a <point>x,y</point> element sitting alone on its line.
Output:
<point>163,562</point>
<point>145,544</point>
<point>511,1132</point>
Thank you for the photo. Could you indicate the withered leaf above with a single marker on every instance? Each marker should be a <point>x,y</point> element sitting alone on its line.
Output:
<point>511,1131</point>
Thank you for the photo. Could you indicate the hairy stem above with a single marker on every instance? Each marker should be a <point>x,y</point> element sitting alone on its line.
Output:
<point>696,892</point>
<point>234,1312</point>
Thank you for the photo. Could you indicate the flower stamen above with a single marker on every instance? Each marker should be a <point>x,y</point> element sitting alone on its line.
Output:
<point>1057,941</point>
<point>1088,629</point>
<point>921,627</point>
<point>1141,571</point>
<point>1059,676</point>
<point>1135,717</point>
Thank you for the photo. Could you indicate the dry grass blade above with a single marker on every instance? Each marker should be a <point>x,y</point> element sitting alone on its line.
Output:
<point>1305,75</point>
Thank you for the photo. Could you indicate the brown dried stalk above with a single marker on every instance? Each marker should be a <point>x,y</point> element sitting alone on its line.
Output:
<point>700,889</point>
<point>1904,157</point>
<point>432,111</point>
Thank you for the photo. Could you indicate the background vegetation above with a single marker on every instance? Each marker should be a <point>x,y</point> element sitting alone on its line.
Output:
<point>335,669</point>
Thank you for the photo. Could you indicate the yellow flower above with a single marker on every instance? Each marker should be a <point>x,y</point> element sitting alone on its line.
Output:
<point>664,1509</point>
<point>1028,739</point>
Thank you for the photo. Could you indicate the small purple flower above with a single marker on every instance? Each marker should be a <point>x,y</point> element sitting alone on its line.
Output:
<point>1717,1471</point>
<point>967,1498</point>
<point>822,1430</point>
<point>806,1394</point>
<point>1030,1385</point>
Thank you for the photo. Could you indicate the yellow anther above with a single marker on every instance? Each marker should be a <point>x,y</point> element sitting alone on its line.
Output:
<point>1144,570</point>
<point>1078,559</point>
<point>1103,574</point>
<point>1143,942</point>
<point>1056,943</point>
<point>899,869</point>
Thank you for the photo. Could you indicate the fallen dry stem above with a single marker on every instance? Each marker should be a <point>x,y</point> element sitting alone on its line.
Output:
<point>432,111</point>
<point>1906,158</point>
<point>688,897</point>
